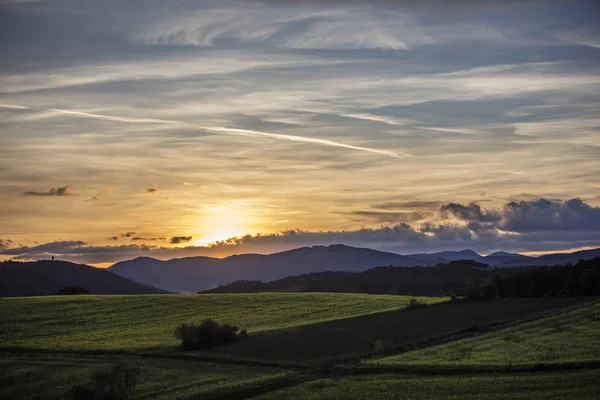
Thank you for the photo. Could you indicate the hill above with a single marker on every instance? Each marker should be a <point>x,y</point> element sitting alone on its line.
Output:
<point>197,273</point>
<point>455,277</point>
<point>443,279</point>
<point>48,277</point>
<point>191,274</point>
<point>140,322</point>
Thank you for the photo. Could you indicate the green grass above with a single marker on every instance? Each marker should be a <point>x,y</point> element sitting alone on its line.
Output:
<point>92,322</point>
<point>569,337</point>
<point>25,377</point>
<point>581,385</point>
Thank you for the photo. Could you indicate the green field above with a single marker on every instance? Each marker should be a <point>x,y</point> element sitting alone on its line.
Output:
<point>91,322</point>
<point>580,385</point>
<point>568,337</point>
<point>52,377</point>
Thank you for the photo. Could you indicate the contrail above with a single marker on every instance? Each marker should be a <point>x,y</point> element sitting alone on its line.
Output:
<point>292,138</point>
<point>56,111</point>
<point>220,130</point>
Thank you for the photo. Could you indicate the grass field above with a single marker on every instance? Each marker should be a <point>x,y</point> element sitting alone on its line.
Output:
<point>38,377</point>
<point>568,337</point>
<point>580,385</point>
<point>356,337</point>
<point>136,322</point>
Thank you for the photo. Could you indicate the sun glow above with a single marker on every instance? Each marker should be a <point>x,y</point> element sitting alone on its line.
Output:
<point>224,222</point>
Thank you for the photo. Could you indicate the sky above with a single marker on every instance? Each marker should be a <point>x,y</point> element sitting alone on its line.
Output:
<point>182,128</point>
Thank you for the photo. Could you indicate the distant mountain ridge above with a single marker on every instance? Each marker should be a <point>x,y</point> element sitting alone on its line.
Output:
<point>193,274</point>
<point>41,278</point>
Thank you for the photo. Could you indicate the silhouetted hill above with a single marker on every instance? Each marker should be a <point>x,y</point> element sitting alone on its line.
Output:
<point>456,277</point>
<point>195,273</point>
<point>48,277</point>
<point>452,277</point>
<point>200,273</point>
<point>446,256</point>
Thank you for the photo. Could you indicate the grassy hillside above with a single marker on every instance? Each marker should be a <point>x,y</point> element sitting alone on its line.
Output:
<point>136,322</point>
<point>581,385</point>
<point>37,377</point>
<point>569,337</point>
<point>45,277</point>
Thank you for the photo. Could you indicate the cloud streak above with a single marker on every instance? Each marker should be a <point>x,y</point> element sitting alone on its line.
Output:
<point>302,139</point>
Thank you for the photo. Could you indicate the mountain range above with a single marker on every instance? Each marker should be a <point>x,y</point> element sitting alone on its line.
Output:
<point>192,274</point>
<point>48,277</point>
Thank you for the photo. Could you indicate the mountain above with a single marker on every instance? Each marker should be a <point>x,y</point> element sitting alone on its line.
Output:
<point>192,274</point>
<point>198,273</point>
<point>48,277</point>
<point>445,256</point>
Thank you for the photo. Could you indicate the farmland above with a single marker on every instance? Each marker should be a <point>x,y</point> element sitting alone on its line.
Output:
<point>28,376</point>
<point>569,337</point>
<point>581,385</point>
<point>148,321</point>
<point>301,345</point>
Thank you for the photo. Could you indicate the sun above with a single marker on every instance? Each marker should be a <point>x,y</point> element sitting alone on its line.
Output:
<point>221,223</point>
<point>218,234</point>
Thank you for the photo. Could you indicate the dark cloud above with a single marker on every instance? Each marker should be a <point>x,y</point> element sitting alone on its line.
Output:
<point>4,243</point>
<point>147,239</point>
<point>152,189</point>
<point>127,234</point>
<point>60,247</point>
<point>61,191</point>
<point>180,239</point>
<point>114,238</point>
<point>469,212</point>
<point>550,215</point>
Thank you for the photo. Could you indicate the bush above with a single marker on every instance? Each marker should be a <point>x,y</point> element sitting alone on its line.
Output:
<point>73,290</point>
<point>415,304</point>
<point>383,348</point>
<point>116,383</point>
<point>207,334</point>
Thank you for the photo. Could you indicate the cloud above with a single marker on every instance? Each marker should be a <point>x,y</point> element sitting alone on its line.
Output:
<point>389,216</point>
<point>550,215</point>
<point>413,204</point>
<point>61,191</point>
<point>537,225</point>
<point>152,190</point>
<point>147,239</point>
<point>4,243</point>
<point>469,212</point>
<point>58,247</point>
<point>180,239</point>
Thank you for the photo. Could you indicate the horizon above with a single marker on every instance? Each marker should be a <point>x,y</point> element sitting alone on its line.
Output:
<point>251,126</point>
<point>531,254</point>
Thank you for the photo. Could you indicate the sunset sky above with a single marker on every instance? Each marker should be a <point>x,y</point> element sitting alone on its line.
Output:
<point>165,128</point>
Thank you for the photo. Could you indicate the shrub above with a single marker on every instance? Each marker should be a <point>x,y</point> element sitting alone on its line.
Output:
<point>73,290</point>
<point>382,348</point>
<point>207,334</point>
<point>415,304</point>
<point>116,383</point>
